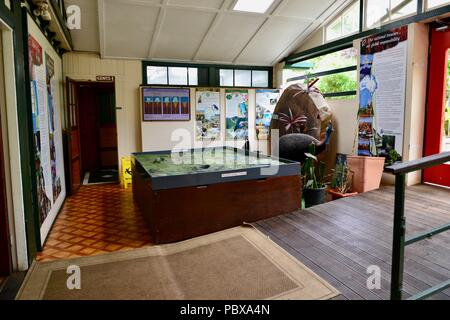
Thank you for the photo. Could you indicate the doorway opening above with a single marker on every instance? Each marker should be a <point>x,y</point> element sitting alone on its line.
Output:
<point>437,137</point>
<point>97,132</point>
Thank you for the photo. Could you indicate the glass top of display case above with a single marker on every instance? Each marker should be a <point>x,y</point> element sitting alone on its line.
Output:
<point>211,165</point>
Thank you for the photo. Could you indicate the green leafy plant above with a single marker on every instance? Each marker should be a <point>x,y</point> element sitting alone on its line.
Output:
<point>343,178</point>
<point>313,171</point>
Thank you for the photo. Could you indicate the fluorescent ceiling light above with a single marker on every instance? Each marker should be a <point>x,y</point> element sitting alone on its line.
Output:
<point>256,6</point>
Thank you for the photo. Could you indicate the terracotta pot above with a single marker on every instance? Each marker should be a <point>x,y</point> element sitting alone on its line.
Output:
<point>367,172</point>
<point>337,195</point>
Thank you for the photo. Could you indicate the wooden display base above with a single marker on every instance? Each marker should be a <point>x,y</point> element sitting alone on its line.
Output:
<point>182,213</point>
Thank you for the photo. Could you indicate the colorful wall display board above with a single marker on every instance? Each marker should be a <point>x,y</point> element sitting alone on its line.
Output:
<point>207,114</point>
<point>46,130</point>
<point>266,101</point>
<point>236,114</point>
<point>382,91</point>
<point>166,104</point>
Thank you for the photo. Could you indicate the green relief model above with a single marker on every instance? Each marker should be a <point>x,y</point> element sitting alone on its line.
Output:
<point>200,161</point>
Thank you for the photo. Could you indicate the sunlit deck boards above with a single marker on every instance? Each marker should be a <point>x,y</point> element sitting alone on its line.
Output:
<point>340,239</point>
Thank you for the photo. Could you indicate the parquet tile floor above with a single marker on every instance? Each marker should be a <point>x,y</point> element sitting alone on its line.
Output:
<point>98,219</point>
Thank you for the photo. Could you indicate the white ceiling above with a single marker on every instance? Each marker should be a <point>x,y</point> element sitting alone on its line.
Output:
<point>203,31</point>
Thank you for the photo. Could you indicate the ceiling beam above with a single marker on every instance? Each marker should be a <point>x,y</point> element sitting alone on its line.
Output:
<point>158,27</point>
<point>211,29</point>
<point>101,26</point>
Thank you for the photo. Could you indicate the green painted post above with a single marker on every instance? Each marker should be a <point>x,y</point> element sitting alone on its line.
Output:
<point>398,246</point>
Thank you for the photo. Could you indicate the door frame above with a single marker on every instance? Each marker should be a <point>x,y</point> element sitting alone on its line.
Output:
<point>113,86</point>
<point>436,102</point>
<point>21,240</point>
<point>72,121</point>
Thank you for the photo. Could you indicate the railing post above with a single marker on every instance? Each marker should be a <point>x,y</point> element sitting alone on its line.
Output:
<point>398,246</point>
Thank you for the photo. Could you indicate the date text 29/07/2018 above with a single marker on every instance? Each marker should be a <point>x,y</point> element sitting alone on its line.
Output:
<point>228,309</point>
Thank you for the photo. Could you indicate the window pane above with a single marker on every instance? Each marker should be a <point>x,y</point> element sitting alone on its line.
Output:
<point>376,11</point>
<point>156,75</point>
<point>435,3</point>
<point>402,8</point>
<point>340,82</point>
<point>178,76</point>
<point>242,78</point>
<point>193,76</point>
<point>226,78</point>
<point>260,79</point>
<point>350,20</point>
<point>334,30</point>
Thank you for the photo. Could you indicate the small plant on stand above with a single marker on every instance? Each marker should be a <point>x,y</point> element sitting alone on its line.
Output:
<point>342,182</point>
<point>313,178</point>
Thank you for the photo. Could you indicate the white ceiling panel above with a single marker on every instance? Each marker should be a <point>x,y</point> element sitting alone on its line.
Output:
<point>276,35</point>
<point>210,4</point>
<point>125,37</point>
<point>182,32</point>
<point>198,30</point>
<point>87,38</point>
<point>231,34</point>
<point>303,9</point>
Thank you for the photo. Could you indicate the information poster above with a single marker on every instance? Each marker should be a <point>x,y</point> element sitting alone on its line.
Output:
<point>166,104</point>
<point>56,157</point>
<point>236,114</point>
<point>46,129</point>
<point>207,114</point>
<point>382,93</point>
<point>266,101</point>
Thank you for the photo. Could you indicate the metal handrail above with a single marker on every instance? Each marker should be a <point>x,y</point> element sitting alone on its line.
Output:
<point>399,242</point>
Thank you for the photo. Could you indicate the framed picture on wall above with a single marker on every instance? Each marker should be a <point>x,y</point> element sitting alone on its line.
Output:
<point>166,104</point>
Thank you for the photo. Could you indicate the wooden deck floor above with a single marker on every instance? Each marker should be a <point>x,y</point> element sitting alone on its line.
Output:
<point>341,239</point>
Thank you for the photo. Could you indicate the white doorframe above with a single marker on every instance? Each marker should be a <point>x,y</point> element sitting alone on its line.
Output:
<point>11,144</point>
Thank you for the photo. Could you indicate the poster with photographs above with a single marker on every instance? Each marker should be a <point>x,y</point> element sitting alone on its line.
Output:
<point>266,101</point>
<point>47,136</point>
<point>382,91</point>
<point>166,104</point>
<point>236,114</point>
<point>53,129</point>
<point>207,114</point>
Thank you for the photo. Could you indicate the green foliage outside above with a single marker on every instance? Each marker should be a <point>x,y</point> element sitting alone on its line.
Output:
<point>340,82</point>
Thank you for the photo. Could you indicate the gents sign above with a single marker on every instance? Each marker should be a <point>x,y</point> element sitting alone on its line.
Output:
<point>105,78</point>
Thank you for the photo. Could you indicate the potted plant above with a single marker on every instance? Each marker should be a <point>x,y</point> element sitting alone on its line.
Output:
<point>313,178</point>
<point>342,182</point>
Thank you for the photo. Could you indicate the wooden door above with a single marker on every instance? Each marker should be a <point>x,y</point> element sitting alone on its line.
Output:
<point>437,138</point>
<point>73,126</point>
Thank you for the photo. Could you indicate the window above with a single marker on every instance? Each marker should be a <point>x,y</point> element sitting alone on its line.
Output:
<point>226,78</point>
<point>157,75</point>
<point>336,71</point>
<point>260,79</point>
<point>378,12</point>
<point>431,4</point>
<point>345,24</point>
<point>174,76</point>
<point>244,78</point>
<point>205,75</point>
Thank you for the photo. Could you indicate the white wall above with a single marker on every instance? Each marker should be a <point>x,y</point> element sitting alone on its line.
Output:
<point>157,136</point>
<point>128,78</point>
